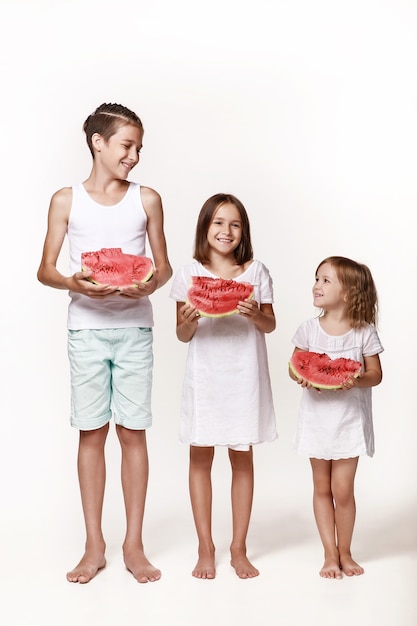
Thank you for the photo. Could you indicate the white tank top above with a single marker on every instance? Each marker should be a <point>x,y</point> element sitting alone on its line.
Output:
<point>92,226</point>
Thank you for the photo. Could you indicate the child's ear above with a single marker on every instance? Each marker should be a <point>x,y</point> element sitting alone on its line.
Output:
<point>97,141</point>
<point>345,298</point>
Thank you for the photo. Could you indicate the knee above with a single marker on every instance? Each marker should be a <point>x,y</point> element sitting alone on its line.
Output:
<point>201,457</point>
<point>94,438</point>
<point>343,495</point>
<point>241,461</point>
<point>128,437</point>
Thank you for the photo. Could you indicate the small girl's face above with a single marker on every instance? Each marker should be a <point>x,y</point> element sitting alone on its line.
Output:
<point>225,231</point>
<point>328,292</point>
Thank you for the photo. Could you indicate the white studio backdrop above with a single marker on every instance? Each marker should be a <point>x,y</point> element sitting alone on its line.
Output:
<point>304,110</point>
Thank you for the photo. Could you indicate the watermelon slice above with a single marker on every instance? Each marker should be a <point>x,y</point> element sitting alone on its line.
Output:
<point>217,297</point>
<point>322,371</point>
<point>110,266</point>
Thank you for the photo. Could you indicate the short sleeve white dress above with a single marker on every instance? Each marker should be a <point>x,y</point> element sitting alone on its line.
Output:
<point>226,396</point>
<point>336,424</point>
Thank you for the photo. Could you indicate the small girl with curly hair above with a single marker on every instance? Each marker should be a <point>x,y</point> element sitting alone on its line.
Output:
<point>335,426</point>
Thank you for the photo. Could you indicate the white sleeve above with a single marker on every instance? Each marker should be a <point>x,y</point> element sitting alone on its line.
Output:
<point>180,284</point>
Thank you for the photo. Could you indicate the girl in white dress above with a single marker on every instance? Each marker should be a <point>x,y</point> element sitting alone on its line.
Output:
<point>335,426</point>
<point>227,398</point>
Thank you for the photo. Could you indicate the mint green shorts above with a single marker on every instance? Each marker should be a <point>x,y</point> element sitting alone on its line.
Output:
<point>111,374</point>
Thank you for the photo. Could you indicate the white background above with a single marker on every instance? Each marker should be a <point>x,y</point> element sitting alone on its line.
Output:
<point>306,110</point>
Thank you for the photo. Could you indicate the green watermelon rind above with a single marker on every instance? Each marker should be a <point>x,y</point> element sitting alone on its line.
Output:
<point>318,385</point>
<point>230,283</point>
<point>145,279</point>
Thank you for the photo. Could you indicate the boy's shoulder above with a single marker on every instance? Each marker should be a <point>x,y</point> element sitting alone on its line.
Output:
<point>149,195</point>
<point>62,198</point>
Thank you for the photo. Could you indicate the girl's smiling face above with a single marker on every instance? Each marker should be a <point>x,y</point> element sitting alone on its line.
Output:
<point>225,231</point>
<point>328,292</point>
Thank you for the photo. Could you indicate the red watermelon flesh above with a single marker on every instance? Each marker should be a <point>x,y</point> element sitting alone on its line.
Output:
<point>110,266</point>
<point>217,297</point>
<point>322,371</point>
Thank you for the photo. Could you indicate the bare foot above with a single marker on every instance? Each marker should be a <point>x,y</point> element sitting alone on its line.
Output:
<point>87,568</point>
<point>243,567</point>
<point>205,567</point>
<point>137,563</point>
<point>350,567</point>
<point>331,569</point>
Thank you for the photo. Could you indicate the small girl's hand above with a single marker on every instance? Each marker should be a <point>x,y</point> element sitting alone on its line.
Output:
<point>350,383</point>
<point>189,313</point>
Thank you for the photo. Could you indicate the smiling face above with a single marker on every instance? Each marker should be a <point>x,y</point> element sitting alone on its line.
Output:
<point>225,231</point>
<point>328,292</point>
<point>120,153</point>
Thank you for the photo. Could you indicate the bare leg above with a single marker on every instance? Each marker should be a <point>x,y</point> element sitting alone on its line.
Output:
<point>201,460</point>
<point>134,484</point>
<point>324,513</point>
<point>343,476</point>
<point>92,478</point>
<point>242,497</point>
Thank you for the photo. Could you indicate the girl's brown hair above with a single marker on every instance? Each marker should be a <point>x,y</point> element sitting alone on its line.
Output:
<point>361,294</point>
<point>106,121</point>
<point>243,252</point>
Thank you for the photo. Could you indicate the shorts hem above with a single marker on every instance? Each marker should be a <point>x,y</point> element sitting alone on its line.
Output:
<point>134,424</point>
<point>91,423</point>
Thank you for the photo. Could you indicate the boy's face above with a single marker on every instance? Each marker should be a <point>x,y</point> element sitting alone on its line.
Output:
<point>120,153</point>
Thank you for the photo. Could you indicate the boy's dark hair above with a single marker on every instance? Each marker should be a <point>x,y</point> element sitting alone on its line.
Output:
<point>106,120</point>
<point>243,252</point>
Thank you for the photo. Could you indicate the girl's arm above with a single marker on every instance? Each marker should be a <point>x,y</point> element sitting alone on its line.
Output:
<point>371,375</point>
<point>261,315</point>
<point>187,320</point>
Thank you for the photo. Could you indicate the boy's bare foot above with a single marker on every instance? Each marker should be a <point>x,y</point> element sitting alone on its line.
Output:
<point>350,567</point>
<point>331,569</point>
<point>87,568</point>
<point>243,567</point>
<point>205,567</point>
<point>137,563</point>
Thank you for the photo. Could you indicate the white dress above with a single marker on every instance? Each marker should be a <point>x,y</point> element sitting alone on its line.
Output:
<point>336,424</point>
<point>226,395</point>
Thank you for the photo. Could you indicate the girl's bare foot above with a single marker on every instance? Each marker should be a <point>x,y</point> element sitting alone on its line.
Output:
<point>243,567</point>
<point>91,563</point>
<point>205,566</point>
<point>350,567</point>
<point>331,568</point>
<point>138,565</point>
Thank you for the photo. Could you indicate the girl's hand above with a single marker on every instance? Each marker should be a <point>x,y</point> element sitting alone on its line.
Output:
<point>189,314</point>
<point>249,308</point>
<point>261,315</point>
<point>350,383</point>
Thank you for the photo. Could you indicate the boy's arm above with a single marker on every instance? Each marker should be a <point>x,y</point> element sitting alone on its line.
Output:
<point>152,204</point>
<point>58,216</point>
